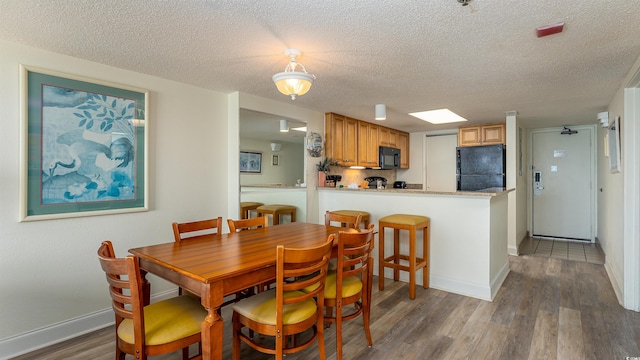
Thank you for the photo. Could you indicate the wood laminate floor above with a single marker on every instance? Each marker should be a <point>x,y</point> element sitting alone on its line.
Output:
<point>547,308</point>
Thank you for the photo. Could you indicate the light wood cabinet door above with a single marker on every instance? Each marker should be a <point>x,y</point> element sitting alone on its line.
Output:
<point>388,137</point>
<point>489,134</point>
<point>350,143</point>
<point>367,144</point>
<point>341,139</point>
<point>403,145</point>
<point>493,134</point>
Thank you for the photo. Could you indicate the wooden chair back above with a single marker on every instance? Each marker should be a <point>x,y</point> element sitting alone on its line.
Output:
<point>125,285</point>
<point>183,231</point>
<point>344,220</point>
<point>130,294</point>
<point>354,260</point>
<point>354,254</point>
<point>248,224</point>
<point>309,267</point>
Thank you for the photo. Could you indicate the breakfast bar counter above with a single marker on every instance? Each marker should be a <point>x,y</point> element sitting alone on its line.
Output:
<point>468,253</point>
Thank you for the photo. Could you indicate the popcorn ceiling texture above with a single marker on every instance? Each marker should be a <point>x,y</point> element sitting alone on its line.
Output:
<point>479,60</point>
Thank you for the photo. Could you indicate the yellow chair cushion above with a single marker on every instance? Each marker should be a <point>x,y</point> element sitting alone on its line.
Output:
<point>351,285</point>
<point>276,207</point>
<point>167,321</point>
<point>404,219</point>
<point>262,308</point>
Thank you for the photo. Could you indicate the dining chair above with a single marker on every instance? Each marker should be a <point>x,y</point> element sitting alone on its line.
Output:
<point>285,311</point>
<point>350,283</point>
<point>247,224</point>
<point>159,328</point>
<point>352,221</point>
<point>184,231</point>
<point>193,229</point>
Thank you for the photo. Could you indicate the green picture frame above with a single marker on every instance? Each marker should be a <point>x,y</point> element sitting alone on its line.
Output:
<point>84,146</point>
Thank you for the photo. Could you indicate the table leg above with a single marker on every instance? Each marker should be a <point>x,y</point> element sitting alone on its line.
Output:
<point>212,325</point>
<point>212,335</point>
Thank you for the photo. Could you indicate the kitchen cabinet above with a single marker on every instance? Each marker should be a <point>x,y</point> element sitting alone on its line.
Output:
<point>388,137</point>
<point>353,142</point>
<point>367,144</point>
<point>341,139</point>
<point>488,134</point>
<point>403,145</point>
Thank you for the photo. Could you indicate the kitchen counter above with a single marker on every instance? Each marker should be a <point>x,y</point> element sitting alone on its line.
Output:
<point>468,248</point>
<point>484,192</point>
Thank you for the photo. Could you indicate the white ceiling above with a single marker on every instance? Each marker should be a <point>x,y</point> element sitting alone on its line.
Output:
<point>479,60</point>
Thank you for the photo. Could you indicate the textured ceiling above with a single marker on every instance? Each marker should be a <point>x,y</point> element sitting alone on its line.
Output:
<point>479,60</point>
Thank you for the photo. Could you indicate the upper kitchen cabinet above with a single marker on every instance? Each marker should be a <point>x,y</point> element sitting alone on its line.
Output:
<point>367,144</point>
<point>341,139</point>
<point>388,137</point>
<point>403,145</point>
<point>488,134</point>
<point>354,142</point>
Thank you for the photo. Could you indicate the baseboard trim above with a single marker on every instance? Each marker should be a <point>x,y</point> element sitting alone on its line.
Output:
<point>499,279</point>
<point>482,292</point>
<point>37,339</point>
<point>614,282</point>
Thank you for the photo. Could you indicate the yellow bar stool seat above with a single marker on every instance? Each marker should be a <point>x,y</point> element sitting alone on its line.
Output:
<point>276,211</point>
<point>412,223</point>
<point>246,207</point>
<point>364,215</point>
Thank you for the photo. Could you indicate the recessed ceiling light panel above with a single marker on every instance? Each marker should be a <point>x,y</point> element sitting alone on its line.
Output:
<point>440,116</point>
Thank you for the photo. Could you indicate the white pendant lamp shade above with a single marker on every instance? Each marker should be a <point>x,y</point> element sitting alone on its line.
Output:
<point>381,112</point>
<point>291,82</point>
<point>284,125</point>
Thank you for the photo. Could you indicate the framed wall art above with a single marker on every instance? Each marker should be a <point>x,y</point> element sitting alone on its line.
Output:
<point>251,162</point>
<point>615,156</point>
<point>275,160</point>
<point>84,146</point>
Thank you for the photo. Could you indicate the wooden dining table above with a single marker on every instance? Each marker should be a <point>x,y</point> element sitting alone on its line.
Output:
<point>214,266</point>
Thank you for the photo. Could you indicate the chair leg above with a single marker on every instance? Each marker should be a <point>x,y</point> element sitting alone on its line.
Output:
<point>185,353</point>
<point>339,331</point>
<point>320,334</point>
<point>235,345</point>
<point>412,263</point>
<point>396,254</point>
<point>381,266</point>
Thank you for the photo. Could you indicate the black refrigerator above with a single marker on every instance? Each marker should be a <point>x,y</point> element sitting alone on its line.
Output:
<point>481,167</point>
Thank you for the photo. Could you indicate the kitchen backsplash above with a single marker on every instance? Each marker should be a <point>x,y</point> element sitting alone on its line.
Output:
<point>356,176</point>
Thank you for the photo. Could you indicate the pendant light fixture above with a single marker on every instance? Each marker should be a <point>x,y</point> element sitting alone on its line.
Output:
<point>381,112</point>
<point>291,82</point>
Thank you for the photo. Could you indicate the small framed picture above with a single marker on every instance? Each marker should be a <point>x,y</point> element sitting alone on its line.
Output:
<point>251,162</point>
<point>275,160</point>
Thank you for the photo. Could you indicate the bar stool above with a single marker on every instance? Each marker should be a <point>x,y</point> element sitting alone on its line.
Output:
<point>246,207</point>
<point>364,215</point>
<point>276,211</point>
<point>412,223</point>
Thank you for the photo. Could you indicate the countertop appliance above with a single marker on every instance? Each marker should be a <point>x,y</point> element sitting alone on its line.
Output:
<point>373,181</point>
<point>332,180</point>
<point>399,184</point>
<point>389,158</point>
<point>480,167</point>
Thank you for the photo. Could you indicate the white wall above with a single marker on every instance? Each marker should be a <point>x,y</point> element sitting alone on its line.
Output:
<point>610,205</point>
<point>618,220</point>
<point>290,165</point>
<point>49,273</point>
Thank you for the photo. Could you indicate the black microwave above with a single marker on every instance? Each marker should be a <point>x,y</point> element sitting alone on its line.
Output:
<point>389,158</point>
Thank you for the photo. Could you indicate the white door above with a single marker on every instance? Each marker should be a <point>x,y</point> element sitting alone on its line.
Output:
<point>441,162</point>
<point>563,183</point>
